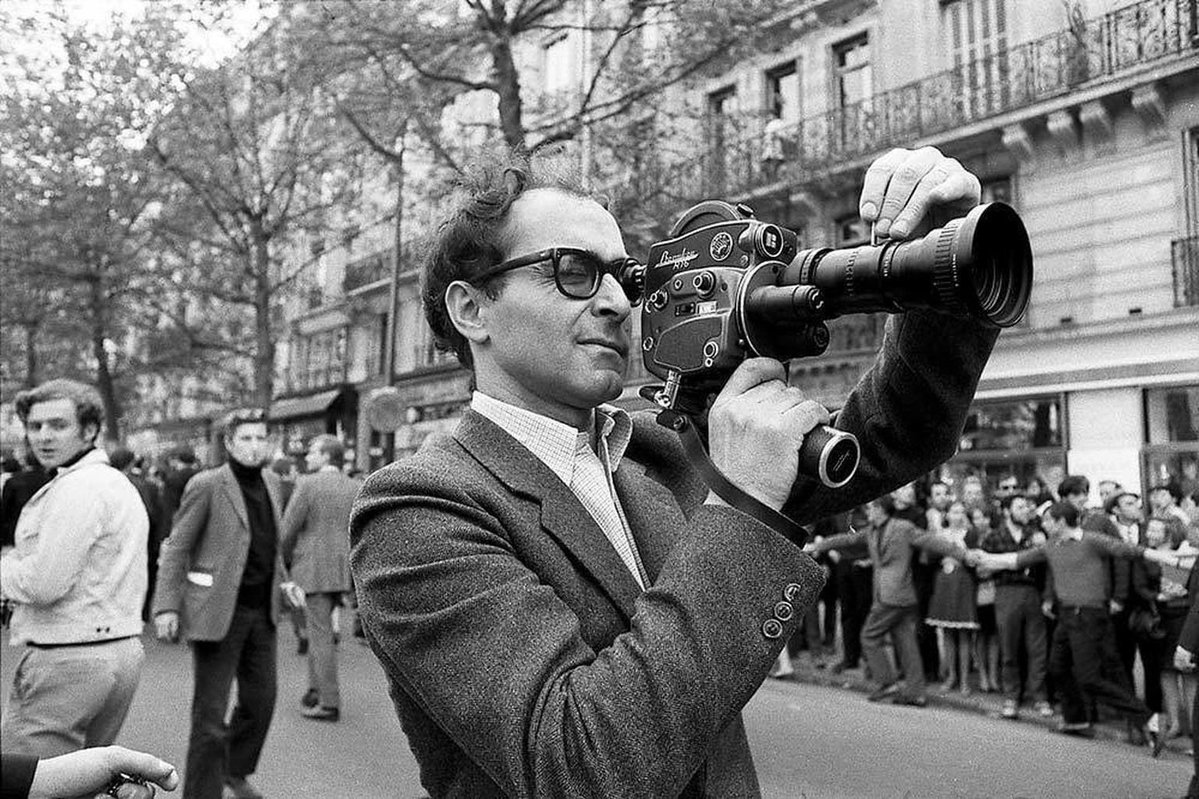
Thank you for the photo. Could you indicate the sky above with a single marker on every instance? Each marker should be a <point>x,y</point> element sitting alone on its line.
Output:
<point>242,18</point>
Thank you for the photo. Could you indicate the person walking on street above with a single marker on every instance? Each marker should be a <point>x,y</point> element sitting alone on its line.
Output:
<point>219,577</point>
<point>316,549</point>
<point>77,574</point>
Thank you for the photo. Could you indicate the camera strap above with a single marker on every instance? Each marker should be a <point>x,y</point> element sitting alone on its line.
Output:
<point>693,445</point>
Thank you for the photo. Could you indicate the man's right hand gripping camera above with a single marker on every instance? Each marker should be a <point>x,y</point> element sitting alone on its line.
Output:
<point>726,286</point>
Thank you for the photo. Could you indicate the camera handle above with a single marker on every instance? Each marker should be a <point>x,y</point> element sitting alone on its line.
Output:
<point>693,445</point>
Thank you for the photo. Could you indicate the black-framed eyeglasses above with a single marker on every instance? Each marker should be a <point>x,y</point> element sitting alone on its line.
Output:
<point>577,272</point>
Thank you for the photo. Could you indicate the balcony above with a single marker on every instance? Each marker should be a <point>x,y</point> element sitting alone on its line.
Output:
<point>1100,49</point>
<point>1185,255</point>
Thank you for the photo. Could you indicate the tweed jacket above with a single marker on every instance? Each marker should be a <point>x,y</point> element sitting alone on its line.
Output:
<point>200,564</point>
<point>315,537</point>
<point>891,548</point>
<point>521,655</point>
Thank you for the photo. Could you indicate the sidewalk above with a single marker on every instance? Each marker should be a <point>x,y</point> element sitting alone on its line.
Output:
<point>819,672</point>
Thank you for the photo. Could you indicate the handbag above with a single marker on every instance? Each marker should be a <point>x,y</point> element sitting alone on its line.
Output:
<point>1145,623</point>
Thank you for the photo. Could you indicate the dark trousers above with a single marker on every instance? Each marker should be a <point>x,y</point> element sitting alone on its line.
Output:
<point>216,749</point>
<point>855,589</point>
<point>1193,789</point>
<point>1020,622</point>
<point>924,576</point>
<point>1086,664</point>
<point>900,623</point>
<point>1126,642</point>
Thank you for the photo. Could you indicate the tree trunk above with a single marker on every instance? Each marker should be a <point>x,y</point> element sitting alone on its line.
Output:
<point>508,89</point>
<point>104,382</point>
<point>264,349</point>
<point>31,364</point>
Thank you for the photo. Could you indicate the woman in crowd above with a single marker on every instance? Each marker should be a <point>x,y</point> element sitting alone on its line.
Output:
<point>952,609</point>
<point>1038,490</point>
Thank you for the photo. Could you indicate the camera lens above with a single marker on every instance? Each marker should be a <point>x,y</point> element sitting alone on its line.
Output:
<point>978,266</point>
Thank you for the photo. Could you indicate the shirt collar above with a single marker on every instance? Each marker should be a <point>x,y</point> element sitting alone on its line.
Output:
<point>91,455</point>
<point>553,442</point>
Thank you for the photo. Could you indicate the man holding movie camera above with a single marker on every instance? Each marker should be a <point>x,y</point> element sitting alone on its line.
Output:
<point>626,611</point>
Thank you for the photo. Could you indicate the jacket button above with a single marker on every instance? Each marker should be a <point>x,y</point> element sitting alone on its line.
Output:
<point>771,628</point>
<point>783,611</point>
<point>791,591</point>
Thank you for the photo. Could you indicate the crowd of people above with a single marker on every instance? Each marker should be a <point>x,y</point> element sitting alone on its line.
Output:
<point>1023,591</point>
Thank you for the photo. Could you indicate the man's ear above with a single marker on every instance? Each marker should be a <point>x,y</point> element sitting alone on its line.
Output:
<point>467,311</point>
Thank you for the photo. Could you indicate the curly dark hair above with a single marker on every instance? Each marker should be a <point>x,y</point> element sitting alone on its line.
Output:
<point>471,235</point>
<point>89,408</point>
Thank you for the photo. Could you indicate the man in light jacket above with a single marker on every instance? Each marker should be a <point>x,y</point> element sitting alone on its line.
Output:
<point>77,575</point>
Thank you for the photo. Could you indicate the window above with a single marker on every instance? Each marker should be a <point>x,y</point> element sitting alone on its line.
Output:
<point>1024,436</point>
<point>977,34</point>
<point>851,231</point>
<point>782,93</point>
<point>1171,454</point>
<point>721,123</point>
<point>851,61</point>
<point>557,66</point>
<point>1190,173</point>
<point>853,88</point>
<point>997,190</point>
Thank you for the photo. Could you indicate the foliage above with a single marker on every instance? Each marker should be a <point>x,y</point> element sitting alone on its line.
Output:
<point>256,154</point>
<point>77,198</point>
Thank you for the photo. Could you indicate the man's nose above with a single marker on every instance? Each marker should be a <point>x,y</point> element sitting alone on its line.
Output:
<point>610,298</point>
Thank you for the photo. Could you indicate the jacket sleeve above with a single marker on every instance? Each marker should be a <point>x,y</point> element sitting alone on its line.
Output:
<point>438,581</point>
<point>1113,547</point>
<point>854,538</point>
<point>907,411</point>
<point>294,519</point>
<point>1189,638</point>
<point>190,520</point>
<point>933,541</point>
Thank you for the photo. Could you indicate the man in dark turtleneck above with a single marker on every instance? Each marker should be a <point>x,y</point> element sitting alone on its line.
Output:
<point>218,582</point>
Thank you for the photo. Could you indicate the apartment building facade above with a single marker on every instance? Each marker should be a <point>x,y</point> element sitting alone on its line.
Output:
<point>1083,115</point>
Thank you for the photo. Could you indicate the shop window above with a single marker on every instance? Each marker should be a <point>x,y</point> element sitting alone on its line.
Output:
<point>1023,436</point>
<point>1171,454</point>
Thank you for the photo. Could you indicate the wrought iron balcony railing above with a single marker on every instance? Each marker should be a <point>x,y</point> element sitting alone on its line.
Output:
<point>1096,49</point>
<point>1185,255</point>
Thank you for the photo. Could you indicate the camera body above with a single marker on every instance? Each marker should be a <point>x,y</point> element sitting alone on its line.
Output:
<point>726,286</point>
<point>695,289</point>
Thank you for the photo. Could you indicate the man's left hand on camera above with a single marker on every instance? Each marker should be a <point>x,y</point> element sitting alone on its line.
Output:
<point>755,429</point>
<point>903,186</point>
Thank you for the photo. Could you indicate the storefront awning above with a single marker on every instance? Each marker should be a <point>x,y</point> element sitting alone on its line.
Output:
<point>311,405</point>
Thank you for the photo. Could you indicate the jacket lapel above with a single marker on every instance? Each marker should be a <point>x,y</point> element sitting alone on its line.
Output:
<point>273,489</point>
<point>562,516</point>
<point>233,490</point>
<point>653,513</point>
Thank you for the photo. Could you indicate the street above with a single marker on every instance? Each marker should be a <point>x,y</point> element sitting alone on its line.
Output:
<point>808,741</point>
